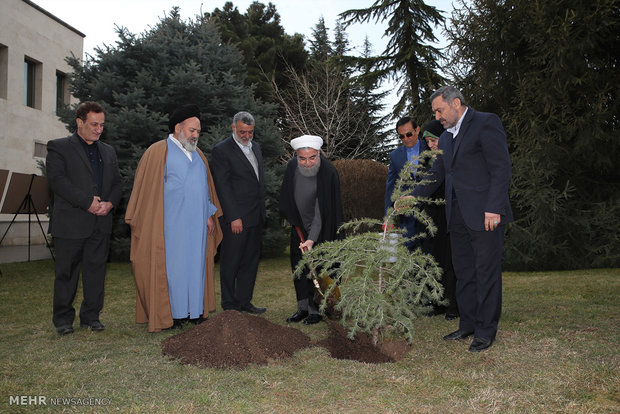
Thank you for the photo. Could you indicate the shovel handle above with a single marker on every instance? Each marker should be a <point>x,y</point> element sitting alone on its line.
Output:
<point>301,235</point>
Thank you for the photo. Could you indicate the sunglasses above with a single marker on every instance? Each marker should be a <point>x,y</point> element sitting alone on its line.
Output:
<point>408,134</point>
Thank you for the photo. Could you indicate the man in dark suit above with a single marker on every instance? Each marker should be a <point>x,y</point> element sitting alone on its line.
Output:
<point>408,131</point>
<point>84,177</point>
<point>237,167</point>
<point>476,167</point>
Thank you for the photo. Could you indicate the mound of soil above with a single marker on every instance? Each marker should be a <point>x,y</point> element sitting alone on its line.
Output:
<point>234,339</point>
<point>361,349</point>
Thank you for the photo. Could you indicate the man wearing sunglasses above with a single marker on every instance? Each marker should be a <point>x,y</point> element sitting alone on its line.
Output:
<point>408,131</point>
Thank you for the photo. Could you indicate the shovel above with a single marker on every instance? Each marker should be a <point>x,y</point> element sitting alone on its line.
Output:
<point>322,282</point>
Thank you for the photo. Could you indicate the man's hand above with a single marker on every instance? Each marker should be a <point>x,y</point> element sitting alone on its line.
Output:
<point>104,208</point>
<point>210,225</point>
<point>95,205</point>
<point>236,226</point>
<point>491,221</point>
<point>306,246</point>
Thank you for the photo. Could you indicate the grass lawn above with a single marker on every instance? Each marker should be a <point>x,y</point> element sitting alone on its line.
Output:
<point>557,351</point>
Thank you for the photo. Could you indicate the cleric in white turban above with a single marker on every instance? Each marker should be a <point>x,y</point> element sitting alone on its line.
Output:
<point>307,141</point>
<point>310,201</point>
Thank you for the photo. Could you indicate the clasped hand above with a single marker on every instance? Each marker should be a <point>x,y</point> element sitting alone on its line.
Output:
<point>100,208</point>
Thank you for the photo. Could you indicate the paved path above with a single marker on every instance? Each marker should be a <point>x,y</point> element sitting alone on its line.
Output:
<point>10,254</point>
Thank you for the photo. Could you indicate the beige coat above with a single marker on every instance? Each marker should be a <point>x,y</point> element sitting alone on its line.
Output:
<point>145,216</point>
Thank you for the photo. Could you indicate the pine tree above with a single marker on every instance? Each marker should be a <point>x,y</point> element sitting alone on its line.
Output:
<point>266,48</point>
<point>142,78</point>
<point>556,86</point>
<point>340,46</point>
<point>383,287</point>
<point>408,59</point>
<point>369,101</point>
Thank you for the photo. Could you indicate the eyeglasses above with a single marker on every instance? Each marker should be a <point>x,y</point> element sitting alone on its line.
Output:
<point>408,134</point>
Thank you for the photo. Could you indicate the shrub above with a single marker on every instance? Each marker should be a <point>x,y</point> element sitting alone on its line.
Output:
<point>362,183</point>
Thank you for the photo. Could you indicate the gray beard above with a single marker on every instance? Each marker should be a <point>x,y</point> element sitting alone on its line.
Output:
<point>186,143</point>
<point>191,147</point>
<point>309,172</point>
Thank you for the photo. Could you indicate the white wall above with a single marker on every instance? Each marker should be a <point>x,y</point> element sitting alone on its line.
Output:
<point>26,31</point>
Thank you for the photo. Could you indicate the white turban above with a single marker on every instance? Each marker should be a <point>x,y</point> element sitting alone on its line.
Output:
<point>307,141</point>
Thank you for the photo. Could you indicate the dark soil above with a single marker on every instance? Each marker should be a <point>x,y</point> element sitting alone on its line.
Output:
<point>361,349</point>
<point>235,339</point>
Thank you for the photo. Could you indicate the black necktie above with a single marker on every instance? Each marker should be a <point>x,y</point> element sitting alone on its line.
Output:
<point>451,138</point>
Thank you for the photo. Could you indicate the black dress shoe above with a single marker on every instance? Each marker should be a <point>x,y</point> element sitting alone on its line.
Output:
<point>457,335</point>
<point>94,326</point>
<point>480,344</point>
<point>177,324</point>
<point>252,309</point>
<point>312,319</point>
<point>64,330</point>
<point>297,316</point>
<point>451,316</point>
<point>197,321</point>
<point>437,310</point>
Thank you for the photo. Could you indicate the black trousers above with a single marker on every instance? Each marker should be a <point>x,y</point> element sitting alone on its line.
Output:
<point>304,287</point>
<point>477,260</point>
<point>239,257</point>
<point>439,247</point>
<point>89,255</point>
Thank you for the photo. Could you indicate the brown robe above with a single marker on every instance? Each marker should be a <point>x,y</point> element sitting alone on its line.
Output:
<point>145,216</point>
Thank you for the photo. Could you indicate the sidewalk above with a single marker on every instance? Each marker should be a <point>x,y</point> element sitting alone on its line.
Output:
<point>10,254</point>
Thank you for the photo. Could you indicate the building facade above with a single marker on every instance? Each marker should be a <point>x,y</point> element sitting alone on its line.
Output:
<point>33,84</point>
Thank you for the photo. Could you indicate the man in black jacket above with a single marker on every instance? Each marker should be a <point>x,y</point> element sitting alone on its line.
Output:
<point>84,177</point>
<point>237,168</point>
<point>475,165</point>
<point>310,200</point>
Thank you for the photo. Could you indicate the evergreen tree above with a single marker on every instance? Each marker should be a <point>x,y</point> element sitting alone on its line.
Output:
<point>408,59</point>
<point>369,101</point>
<point>320,46</point>
<point>382,286</point>
<point>550,69</point>
<point>341,46</point>
<point>266,48</point>
<point>142,78</point>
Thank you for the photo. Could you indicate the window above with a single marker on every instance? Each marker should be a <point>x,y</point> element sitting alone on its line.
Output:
<point>62,91</point>
<point>32,83</point>
<point>29,83</point>
<point>4,70</point>
<point>40,150</point>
